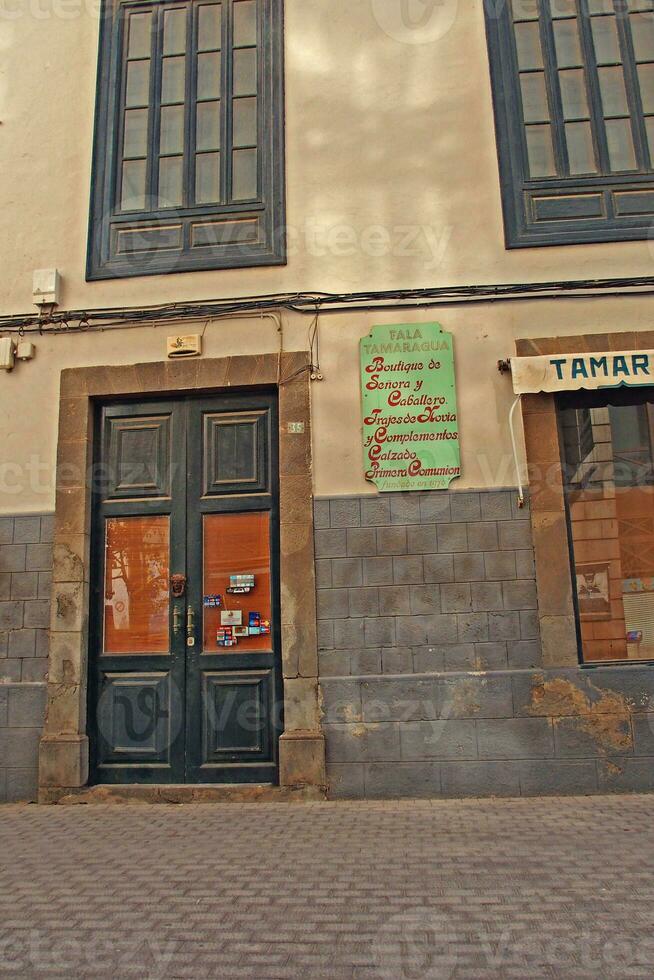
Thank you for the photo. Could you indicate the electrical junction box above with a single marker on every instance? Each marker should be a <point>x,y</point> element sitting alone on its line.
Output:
<point>45,287</point>
<point>184,346</point>
<point>7,353</point>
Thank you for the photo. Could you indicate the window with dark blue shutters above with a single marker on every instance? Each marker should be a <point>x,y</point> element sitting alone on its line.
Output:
<point>188,159</point>
<point>573,86</point>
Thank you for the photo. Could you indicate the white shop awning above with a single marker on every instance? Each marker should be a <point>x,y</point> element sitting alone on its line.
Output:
<point>570,372</point>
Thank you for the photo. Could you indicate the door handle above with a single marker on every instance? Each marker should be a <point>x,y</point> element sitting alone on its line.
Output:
<point>177,620</point>
<point>190,626</point>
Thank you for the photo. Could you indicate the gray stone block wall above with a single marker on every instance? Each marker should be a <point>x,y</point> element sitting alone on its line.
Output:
<point>25,579</point>
<point>431,677</point>
<point>425,582</point>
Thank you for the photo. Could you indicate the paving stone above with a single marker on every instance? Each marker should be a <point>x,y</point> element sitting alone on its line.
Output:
<point>4,705</point>
<point>345,512</point>
<point>5,586</point>
<point>643,728</point>
<point>346,572</point>
<point>476,696</point>
<point>361,542</point>
<point>4,644</point>
<point>577,738</point>
<point>469,568</point>
<point>391,540</point>
<point>552,887</point>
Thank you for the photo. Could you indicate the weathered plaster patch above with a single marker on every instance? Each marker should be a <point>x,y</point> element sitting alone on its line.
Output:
<point>607,720</point>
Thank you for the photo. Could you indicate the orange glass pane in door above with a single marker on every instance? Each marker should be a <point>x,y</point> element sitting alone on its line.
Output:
<point>237,544</point>
<point>136,579</point>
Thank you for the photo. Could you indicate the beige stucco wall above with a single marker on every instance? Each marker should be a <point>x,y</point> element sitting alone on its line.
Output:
<point>387,128</point>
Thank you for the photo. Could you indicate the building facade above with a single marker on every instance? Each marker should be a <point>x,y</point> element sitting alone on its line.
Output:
<point>201,592</point>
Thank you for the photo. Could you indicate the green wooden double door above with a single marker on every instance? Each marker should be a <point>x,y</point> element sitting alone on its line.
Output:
<point>185,677</point>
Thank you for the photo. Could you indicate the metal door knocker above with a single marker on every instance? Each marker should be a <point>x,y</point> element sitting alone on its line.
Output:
<point>178,585</point>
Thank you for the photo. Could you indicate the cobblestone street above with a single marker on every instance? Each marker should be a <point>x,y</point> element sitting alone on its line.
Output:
<point>524,888</point>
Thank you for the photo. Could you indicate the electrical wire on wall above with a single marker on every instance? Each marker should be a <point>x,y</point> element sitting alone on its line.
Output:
<point>314,303</point>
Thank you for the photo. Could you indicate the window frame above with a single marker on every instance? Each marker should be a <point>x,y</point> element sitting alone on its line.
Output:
<point>105,215</point>
<point>565,197</point>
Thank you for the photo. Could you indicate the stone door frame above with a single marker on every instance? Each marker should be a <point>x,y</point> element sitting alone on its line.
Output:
<point>64,747</point>
<point>556,612</point>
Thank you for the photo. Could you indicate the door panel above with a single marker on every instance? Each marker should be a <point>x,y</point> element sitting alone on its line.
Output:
<point>185,551</point>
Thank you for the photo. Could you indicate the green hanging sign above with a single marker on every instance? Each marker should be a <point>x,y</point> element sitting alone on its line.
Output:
<point>410,422</point>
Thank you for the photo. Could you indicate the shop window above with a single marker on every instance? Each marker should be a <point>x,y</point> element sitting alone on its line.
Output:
<point>609,493</point>
<point>188,158</point>
<point>573,84</point>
